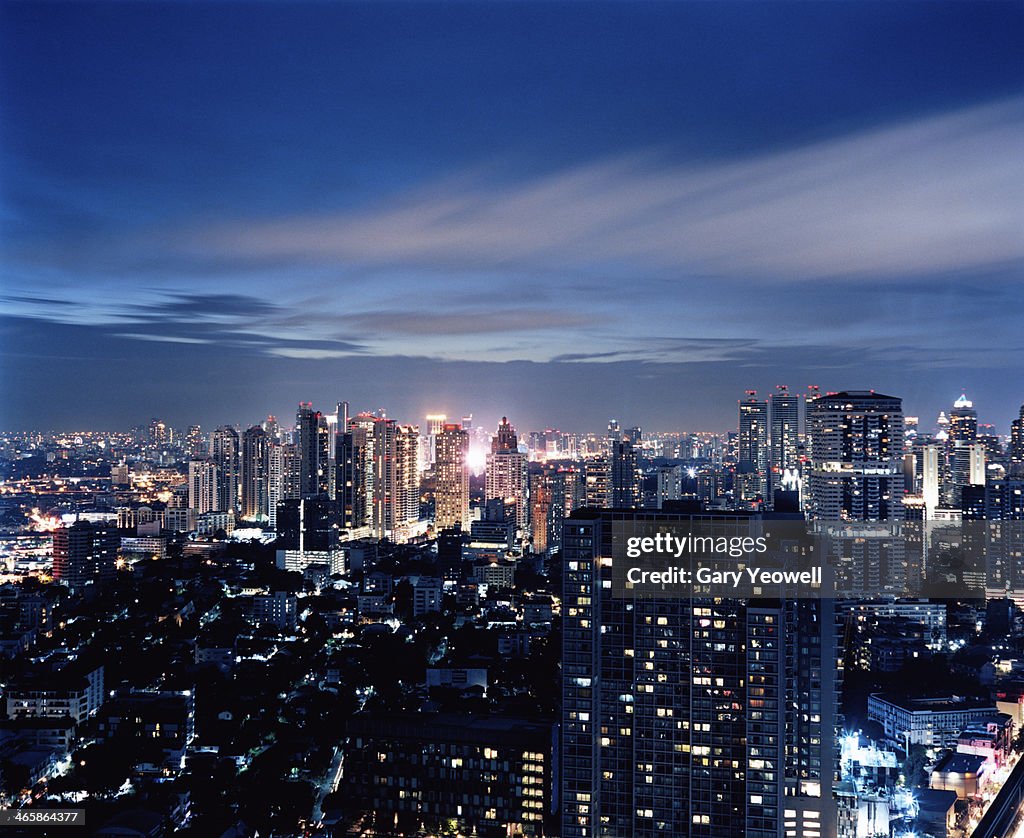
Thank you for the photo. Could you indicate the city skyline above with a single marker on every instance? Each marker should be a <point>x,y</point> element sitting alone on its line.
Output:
<point>427,207</point>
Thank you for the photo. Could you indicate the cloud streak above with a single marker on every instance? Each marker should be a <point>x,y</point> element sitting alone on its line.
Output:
<point>936,194</point>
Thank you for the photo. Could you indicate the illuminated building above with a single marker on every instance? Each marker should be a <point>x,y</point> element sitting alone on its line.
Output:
<point>272,428</point>
<point>451,493</point>
<point>309,533</point>
<point>283,463</point>
<point>158,432</point>
<point>967,468</point>
<point>164,719</point>
<point>85,554</point>
<point>475,775</point>
<point>931,477</point>
<point>856,447</point>
<point>623,485</point>
<point>856,477</point>
<point>934,722</point>
<point>407,482</point>
<point>204,493</point>
<point>75,691</point>
<point>254,473</point>
<point>753,451</point>
<point>963,420</point>
<point>195,445</point>
<point>224,451</point>
<point>597,482</point>
<point>691,717</point>
<point>350,477</point>
<point>784,435</point>
<point>315,452</point>
<point>435,424</point>
<point>1016,449</point>
<point>392,455</point>
<point>506,476</point>
<point>670,484</point>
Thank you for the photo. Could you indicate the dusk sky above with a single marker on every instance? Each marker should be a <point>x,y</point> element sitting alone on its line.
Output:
<point>562,213</point>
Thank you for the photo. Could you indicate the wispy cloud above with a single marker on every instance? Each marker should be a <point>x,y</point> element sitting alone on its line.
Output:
<point>937,194</point>
<point>466,321</point>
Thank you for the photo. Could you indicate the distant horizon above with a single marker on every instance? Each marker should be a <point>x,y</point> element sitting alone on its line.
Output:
<point>926,421</point>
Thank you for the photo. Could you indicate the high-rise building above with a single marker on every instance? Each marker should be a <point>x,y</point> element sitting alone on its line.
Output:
<point>391,452</point>
<point>931,477</point>
<point>784,436</point>
<point>691,717</point>
<point>670,484</point>
<point>283,464</point>
<point>963,420</point>
<point>753,452</point>
<point>224,451</point>
<point>350,478</point>
<point>195,444</point>
<point>451,493</point>
<point>367,452</point>
<point>159,433</point>
<point>624,484</point>
<point>308,533</point>
<point>315,452</point>
<point>85,554</point>
<point>967,468</point>
<point>1016,450</point>
<point>204,494</point>
<point>597,482</point>
<point>554,494</point>
<point>506,474</point>
<point>272,428</point>
<point>255,468</point>
<point>407,481</point>
<point>856,450</point>
<point>542,491</point>
<point>435,424</point>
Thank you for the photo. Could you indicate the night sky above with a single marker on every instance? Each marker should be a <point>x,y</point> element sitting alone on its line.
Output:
<point>562,213</point>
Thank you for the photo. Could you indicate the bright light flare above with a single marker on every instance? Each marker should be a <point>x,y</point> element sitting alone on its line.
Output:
<point>476,459</point>
<point>43,523</point>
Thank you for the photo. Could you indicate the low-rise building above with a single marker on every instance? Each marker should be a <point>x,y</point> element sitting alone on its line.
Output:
<point>934,722</point>
<point>478,775</point>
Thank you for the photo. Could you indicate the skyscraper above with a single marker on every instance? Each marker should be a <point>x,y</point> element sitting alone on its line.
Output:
<point>963,420</point>
<point>255,466</point>
<point>670,484</point>
<point>224,451</point>
<point>85,554</point>
<point>931,477</point>
<point>283,463</point>
<point>785,435</point>
<point>349,476</point>
<point>195,445</point>
<point>856,446</point>
<point>753,452</point>
<point>856,449</point>
<point>623,482</point>
<point>392,453</point>
<point>407,481</point>
<point>691,717</point>
<point>451,493</point>
<point>506,475</point>
<point>597,483</point>
<point>316,457</point>
<point>967,468</point>
<point>204,493</point>
<point>1016,449</point>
